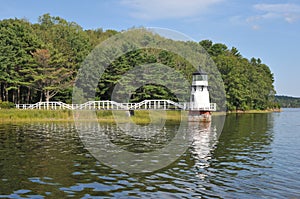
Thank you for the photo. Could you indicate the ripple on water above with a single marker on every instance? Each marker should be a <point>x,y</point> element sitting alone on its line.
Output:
<point>254,157</point>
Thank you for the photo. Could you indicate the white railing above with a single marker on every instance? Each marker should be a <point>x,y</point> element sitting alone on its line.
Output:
<point>208,107</point>
<point>47,106</point>
<point>112,105</point>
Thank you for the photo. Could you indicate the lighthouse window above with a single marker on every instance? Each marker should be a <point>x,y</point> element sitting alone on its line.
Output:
<point>200,78</point>
<point>193,98</point>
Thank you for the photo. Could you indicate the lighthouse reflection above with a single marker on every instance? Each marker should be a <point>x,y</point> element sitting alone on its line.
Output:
<point>204,137</point>
<point>136,148</point>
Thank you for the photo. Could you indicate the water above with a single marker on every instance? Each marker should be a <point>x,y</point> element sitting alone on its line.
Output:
<point>256,156</point>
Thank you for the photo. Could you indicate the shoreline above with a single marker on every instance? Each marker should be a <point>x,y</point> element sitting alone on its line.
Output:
<point>254,111</point>
<point>104,116</point>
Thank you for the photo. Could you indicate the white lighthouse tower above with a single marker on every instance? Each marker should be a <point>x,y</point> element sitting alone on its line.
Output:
<point>200,106</point>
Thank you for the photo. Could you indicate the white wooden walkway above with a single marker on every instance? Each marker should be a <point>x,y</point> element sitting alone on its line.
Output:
<point>112,105</point>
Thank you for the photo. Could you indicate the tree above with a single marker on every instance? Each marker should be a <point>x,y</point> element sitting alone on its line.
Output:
<point>17,41</point>
<point>50,76</point>
<point>40,61</point>
<point>98,35</point>
<point>248,83</point>
<point>206,44</point>
<point>68,45</point>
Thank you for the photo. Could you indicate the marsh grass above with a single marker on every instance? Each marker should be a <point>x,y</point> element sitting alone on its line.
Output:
<point>34,115</point>
<point>104,116</point>
<point>139,117</point>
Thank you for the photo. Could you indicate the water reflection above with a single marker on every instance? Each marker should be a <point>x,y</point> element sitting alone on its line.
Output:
<point>132,152</point>
<point>205,137</point>
<point>136,148</point>
<point>242,159</point>
<point>250,158</point>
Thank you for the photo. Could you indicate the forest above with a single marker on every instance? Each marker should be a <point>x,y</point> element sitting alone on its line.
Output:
<point>287,101</point>
<point>40,61</point>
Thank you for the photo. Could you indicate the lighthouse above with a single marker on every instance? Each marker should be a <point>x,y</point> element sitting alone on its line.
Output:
<point>200,106</point>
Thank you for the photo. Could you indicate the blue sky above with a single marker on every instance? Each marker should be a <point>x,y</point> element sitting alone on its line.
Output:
<point>264,29</point>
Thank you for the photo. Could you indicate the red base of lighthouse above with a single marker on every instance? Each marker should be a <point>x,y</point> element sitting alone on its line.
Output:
<point>199,116</point>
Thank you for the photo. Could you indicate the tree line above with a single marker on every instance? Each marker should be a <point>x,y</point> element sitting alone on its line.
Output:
<point>39,62</point>
<point>288,101</point>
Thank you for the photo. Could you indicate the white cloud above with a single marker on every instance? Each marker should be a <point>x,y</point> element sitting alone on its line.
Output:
<point>255,27</point>
<point>289,12</point>
<point>164,9</point>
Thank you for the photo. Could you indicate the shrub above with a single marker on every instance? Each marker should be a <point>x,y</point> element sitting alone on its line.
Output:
<point>6,105</point>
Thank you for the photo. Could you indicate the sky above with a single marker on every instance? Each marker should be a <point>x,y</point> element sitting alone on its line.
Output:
<point>265,29</point>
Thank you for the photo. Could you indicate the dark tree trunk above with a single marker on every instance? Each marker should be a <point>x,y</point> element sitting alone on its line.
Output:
<point>6,94</point>
<point>0,92</point>
<point>13,96</point>
<point>3,93</point>
<point>28,96</point>
<point>18,95</point>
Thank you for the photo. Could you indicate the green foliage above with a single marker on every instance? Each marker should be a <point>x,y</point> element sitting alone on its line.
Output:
<point>288,102</point>
<point>40,61</point>
<point>164,80</point>
<point>6,105</point>
<point>17,41</point>
<point>248,83</point>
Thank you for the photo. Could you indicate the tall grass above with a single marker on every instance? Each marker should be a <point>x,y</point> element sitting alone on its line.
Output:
<point>35,115</point>
<point>140,116</point>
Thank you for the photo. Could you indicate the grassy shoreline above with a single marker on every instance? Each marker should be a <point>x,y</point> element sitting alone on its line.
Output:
<point>255,111</point>
<point>140,116</point>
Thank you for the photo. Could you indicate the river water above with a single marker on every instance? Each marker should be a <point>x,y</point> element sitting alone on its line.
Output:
<point>255,156</point>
